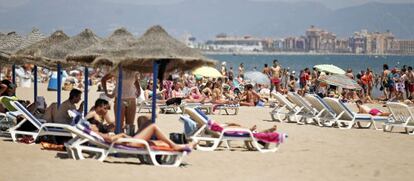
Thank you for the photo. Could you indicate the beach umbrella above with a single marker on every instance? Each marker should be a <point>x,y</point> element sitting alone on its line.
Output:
<point>83,40</point>
<point>34,54</point>
<point>341,81</point>
<point>207,71</point>
<point>329,68</point>
<point>115,45</point>
<point>256,77</point>
<point>155,52</point>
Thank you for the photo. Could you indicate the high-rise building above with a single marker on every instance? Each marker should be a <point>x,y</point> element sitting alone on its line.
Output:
<point>402,47</point>
<point>319,40</point>
<point>371,42</point>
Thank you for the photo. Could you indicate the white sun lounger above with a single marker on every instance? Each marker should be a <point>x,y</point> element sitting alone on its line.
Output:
<point>307,111</point>
<point>86,141</point>
<point>346,119</point>
<point>401,116</point>
<point>326,115</point>
<point>40,127</point>
<point>228,108</point>
<point>200,135</point>
<point>284,109</point>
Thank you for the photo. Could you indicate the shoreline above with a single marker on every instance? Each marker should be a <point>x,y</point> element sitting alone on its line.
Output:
<point>302,53</point>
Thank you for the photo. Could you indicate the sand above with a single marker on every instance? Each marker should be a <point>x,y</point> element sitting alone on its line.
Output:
<point>310,153</point>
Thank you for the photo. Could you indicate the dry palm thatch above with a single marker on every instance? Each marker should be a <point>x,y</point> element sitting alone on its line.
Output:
<point>115,44</point>
<point>79,42</point>
<point>156,45</point>
<point>34,53</point>
<point>9,43</point>
<point>34,36</point>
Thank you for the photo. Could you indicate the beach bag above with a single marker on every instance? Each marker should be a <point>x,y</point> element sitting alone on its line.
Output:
<point>173,101</point>
<point>178,138</point>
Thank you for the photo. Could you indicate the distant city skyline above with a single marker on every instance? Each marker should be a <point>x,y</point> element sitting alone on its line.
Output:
<point>205,19</point>
<point>334,4</point>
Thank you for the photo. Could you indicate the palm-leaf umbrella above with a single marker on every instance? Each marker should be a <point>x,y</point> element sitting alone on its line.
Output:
<point>341,81</point>
<point>330,69</point>
<point>9,43</point>
<point>154,48</point>
<point>113,46</point>
<point>256,77</point>
<point>35,53</point>
<point>83,40</point>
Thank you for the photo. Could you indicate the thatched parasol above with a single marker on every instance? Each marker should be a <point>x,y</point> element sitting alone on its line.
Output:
<point>34,36</point>
<point>35,53</point>
<point>9,43</point>
<point>156,45</point>
<point>115,44</point>
<point>79,42</point>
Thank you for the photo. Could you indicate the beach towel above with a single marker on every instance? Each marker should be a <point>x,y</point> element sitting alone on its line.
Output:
<point>189,125</point>
<point>271,137</point>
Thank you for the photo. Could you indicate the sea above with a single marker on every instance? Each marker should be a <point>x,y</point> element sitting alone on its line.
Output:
<point>299,62</point>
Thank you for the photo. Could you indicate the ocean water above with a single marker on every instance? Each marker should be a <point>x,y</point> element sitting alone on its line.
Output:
<point>299,62</point>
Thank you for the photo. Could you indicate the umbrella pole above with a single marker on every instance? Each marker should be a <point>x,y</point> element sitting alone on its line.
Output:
<point>119,101</point>
<point>59,84</point>
<point>154,90</point>
<point>35,83</point>
<point>85,99</point>
<point>14,73</point>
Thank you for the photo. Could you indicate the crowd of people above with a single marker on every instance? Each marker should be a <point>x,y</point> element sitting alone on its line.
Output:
<point>232,88</point>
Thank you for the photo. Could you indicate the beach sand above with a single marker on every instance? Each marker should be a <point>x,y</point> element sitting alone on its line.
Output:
<point>310,153</point>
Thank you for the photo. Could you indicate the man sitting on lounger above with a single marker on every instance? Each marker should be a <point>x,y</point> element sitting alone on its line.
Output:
<point>60,115</point>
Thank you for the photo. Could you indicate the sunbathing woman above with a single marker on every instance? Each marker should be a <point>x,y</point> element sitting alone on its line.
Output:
<point>195,96</point>
<point>366,110</point>
<point>217,96</point>
<point>146,134</point>
<point>249,96</point>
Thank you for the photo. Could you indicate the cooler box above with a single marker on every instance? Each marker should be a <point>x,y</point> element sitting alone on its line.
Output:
<point>52,86</point>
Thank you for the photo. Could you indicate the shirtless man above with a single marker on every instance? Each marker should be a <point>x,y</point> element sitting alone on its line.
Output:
<point>410,80</point>
<point>275,76</point>
<point>267,71</point>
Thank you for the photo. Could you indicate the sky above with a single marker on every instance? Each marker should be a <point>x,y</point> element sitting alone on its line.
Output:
<point>334,4</point>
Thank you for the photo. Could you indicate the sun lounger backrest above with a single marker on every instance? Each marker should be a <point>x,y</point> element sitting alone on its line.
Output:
<point>303,102</point>
<point>283,101</point>
<point>401,113</point>
<point>195,116</point>
<point>201,113</point>
<point>315,103</point>
<point>338,107</point>
<point>19,107</point>
<point>323,103</point>
<point>294,100</point>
